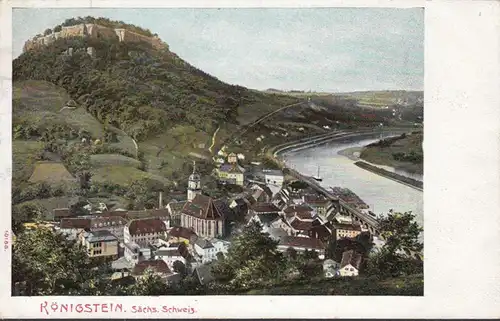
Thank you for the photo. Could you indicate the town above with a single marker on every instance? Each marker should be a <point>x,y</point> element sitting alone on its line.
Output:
<point>188,235</point>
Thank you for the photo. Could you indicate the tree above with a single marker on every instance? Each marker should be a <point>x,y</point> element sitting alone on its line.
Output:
<point>45,263</point>
<point>401,232</point>
<point>47,32</point>
<point>180,268</point>
<point>252,260</point>
<point>149,284</point>
<point>84,180</point>
<point>220,256</point>
<point>400,253</point>
<point>57,28</point>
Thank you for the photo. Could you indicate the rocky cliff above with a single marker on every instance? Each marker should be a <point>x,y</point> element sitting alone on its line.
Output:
<point>94,31</point>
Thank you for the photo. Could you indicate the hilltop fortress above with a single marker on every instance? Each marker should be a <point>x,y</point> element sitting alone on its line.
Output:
<point>94,31</point>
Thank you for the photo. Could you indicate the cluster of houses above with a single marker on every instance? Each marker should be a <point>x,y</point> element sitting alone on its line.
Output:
<point>186,236</point>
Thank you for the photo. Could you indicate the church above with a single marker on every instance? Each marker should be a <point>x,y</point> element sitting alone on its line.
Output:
<point>204,215</point>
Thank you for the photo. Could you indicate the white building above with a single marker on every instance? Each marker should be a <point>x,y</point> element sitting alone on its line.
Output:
<point>351,261</point>
<point>205,250</point>
<point>144,231</point>
<point>273,177</point>
<point>169,255</point>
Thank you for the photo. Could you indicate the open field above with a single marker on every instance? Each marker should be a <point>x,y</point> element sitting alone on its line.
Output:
<point>122,175</point>
<point>100,160</point>
<point>51,172</point>
<point>44,104</point>
<point>385,155</point>
<point>24,158</point>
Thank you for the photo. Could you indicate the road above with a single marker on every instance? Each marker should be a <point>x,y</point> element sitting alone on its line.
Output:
<point>262,118</point>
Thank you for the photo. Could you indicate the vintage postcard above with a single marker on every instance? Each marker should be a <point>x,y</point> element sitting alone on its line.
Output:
<point>184,155</point>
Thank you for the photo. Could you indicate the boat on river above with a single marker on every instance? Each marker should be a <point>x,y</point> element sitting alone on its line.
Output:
<point>317,177</point>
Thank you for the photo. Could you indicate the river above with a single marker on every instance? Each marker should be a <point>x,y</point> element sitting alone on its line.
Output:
<point>380,193</point>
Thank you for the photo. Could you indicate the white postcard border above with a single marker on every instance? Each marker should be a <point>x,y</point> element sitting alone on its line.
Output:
<point>462,106</point>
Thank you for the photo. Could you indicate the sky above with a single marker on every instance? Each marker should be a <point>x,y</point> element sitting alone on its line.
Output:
<point>318,49</point>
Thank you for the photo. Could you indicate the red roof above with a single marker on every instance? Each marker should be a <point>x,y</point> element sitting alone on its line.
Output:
<point>149,225</point>
<point>75,223</point>
<point>344,226</point>
<point>154,213</point>
<point>182,232</point>
<point>320,232</point>
<point>314,199</point>
<point>61,212</point>
<point>301,225</point>
<point>302,208</point>
<point>265,208</point>
<point>107,221</point>
<point>202,207</point>
<point>302,242</point>
<point>159,266</point>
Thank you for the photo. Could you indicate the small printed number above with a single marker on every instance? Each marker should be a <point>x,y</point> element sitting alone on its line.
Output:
<point>6,240</point>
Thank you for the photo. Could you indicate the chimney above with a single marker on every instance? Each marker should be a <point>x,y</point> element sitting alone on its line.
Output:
<point>160,201</point>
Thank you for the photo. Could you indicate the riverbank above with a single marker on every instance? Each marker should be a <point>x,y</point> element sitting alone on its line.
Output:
<point>390,175</point>
<point>403,153</point>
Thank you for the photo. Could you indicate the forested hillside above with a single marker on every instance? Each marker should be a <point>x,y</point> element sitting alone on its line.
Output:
<point>136,88</point>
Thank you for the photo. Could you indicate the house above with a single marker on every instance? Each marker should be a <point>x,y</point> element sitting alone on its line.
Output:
<point>261,193</point>
<point>330,268</point>
<point>159,267</point>
<point>205,250</point>
<point>273,177</point>
<point>99,243</point>
<point>318,202</point>
<point>203,274</point>
<point>301,244</point>
<point>170,254</point>
<point>181,234</point>
<point>351,261</point>
<point>113,224</point>
<point>321,232</point>
<point>144,231</point>
<point>345,230</point>
<point>60,213</point>
<point>232,158</point>
<point>221,246</point>
<point>302,212</point>
<point>300,227</point>
<point>160,214</point>
<point>264,208</point>
<point>231,174</point>
<point>204,216</point>
<point>70,227</point>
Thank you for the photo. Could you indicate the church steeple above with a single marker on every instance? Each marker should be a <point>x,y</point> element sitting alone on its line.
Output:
<point>194,184</point>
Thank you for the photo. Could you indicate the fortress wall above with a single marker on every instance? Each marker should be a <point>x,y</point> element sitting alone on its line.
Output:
<point>73,31</point>
<point>97,31</point>
<point>94,31</point>
<point>129,36</point>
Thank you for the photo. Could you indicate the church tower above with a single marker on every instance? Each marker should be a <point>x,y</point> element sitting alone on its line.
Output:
<point>194,184</point>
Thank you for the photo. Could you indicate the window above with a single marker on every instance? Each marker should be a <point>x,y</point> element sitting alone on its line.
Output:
<point>97,252</point>
<point>351,269</point>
